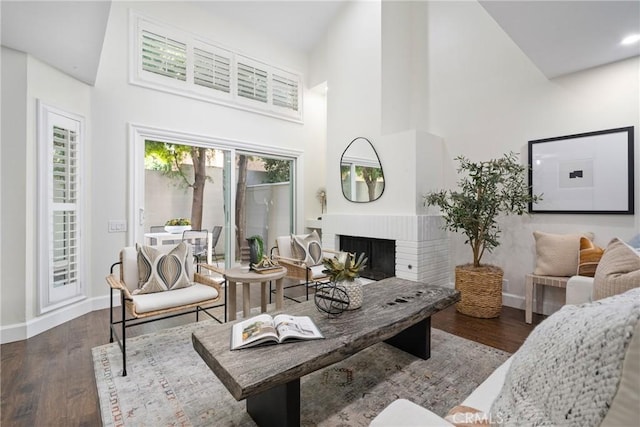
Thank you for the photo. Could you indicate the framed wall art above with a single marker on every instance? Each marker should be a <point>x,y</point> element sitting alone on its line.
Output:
<point>587,173</point>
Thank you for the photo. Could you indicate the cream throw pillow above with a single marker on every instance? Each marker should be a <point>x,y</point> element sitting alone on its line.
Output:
<point>307,248</point>
<point>160,271</point>
<point>618,270</point>
<point>557,254</point>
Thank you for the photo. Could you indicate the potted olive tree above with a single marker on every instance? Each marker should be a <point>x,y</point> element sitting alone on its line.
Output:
<point>487,189</point>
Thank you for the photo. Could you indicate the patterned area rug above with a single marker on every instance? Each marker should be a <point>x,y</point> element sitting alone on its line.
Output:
<point>169,384</point>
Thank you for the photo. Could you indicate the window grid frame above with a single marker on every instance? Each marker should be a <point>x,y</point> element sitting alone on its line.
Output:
<point>190,88</point>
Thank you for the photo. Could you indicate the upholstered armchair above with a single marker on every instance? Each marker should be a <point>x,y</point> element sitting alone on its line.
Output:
<point>158,283</point>
<point>302,256</point>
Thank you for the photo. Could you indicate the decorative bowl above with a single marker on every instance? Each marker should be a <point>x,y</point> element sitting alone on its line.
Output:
<point>176,229</point>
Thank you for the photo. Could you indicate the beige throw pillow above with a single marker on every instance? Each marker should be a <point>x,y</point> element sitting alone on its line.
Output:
<point>618,270</point>
<point>557,254</point>
<point>160,272</point>
<point>307,248</point>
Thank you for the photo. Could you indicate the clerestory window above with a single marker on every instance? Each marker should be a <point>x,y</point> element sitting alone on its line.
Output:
<point>172,60</point>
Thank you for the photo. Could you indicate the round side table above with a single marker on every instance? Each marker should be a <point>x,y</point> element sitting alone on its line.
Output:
<point>236,275</point>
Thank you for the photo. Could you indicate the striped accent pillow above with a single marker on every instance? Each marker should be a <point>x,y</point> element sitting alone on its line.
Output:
<point>158,272</point>
<point>618,270</point>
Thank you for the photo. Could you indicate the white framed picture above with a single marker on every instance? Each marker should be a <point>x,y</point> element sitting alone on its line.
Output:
<point>590,173</point>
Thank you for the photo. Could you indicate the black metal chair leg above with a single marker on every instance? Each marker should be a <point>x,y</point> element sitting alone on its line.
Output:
<point>124,337</point>
<point>110,315</point>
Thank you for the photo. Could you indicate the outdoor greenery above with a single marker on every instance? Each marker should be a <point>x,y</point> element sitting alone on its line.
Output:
<point>170,159</point>
<point>259,246</point>
<point>370,176</point>
<point>277,170</point>
<point>178,221</point>
<point>344,266</point>
<point>487,189</point>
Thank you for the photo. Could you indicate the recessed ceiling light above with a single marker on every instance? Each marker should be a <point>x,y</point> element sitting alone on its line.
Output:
<point>634,38</point>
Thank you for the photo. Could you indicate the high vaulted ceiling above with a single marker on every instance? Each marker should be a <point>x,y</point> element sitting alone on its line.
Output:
<point>560,37</point>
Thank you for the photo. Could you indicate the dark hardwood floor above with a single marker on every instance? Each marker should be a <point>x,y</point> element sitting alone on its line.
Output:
<point>48,380</point>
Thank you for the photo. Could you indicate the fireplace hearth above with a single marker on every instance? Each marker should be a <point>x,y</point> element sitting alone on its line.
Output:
<point>421,244</point>
<point>381,254</point>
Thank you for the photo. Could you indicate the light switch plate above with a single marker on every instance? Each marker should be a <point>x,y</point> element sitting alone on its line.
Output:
<point>116,226</point>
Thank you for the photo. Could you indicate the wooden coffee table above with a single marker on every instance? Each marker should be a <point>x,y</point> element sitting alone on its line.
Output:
<point>394,310</point>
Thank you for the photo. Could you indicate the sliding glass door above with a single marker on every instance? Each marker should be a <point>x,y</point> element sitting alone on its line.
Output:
<point>264,198</point>
<point>244,193</point>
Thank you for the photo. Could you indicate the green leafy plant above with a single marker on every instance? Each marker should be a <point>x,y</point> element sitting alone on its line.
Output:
<point>178,221</point>
<point>260,245</point>
<point>344,266</point>
<point>487,189</point>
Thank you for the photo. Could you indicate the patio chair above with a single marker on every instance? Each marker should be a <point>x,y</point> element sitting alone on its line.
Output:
<point>198,239</point>
<point>305,269</point>
<point>215,236</point>
<point>202,293</point>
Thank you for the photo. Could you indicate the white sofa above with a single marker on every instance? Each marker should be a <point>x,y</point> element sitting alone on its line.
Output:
<point>403,413</point>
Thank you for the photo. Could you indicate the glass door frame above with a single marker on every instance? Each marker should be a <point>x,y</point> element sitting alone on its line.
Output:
<point>138,134</point>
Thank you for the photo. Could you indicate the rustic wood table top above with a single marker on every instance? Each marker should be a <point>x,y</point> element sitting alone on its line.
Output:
<point>390,306</point>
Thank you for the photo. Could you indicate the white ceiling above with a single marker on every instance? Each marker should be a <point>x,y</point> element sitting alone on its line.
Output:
<point>298,24</point>
<point>560,37</point>
<point>67,35</point>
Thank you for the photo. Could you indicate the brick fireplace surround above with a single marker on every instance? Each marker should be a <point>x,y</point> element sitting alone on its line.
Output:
<point>422,247</point>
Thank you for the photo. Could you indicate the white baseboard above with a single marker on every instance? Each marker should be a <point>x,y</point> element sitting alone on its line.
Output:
<point>35,326</point>
<point>517,301</point>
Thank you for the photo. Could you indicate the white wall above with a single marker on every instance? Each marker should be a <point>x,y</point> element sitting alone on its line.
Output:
<point>24,81</point>
<point>476,90</point>
<point>14,221</point>
<point>116,103</point>
<point>487,98</point>
<point>352,49</point>
<point>109,107</point>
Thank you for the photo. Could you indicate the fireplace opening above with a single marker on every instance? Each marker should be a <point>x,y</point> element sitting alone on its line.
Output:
<point>381,254</point>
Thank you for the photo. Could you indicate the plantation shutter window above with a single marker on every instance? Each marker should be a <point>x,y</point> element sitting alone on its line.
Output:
<point>285,92</point>
<point>175,61</point>
<point>164,56</point>
<point>60,197</point>
<point>212,70</point>
<point>252,82</point>
<point>64,220</point>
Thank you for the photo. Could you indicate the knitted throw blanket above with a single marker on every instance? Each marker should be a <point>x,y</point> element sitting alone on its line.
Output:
<point>568,370</point>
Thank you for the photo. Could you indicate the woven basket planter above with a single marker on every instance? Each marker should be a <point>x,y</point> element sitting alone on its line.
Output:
<point>480,290</point>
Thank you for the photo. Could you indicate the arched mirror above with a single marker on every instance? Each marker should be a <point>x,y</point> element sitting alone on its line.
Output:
<point>361,172</point>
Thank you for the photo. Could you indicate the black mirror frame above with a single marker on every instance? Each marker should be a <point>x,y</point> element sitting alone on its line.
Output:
<point>379,162</point>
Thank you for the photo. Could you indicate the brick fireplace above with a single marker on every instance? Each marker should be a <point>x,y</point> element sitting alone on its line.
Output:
<point>421,245</point>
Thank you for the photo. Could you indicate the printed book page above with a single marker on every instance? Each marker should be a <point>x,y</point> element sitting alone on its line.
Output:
<point>298,327</point>
<point>263,329</point>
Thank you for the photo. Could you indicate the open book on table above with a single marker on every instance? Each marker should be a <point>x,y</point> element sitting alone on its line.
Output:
<point>264,329</point>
